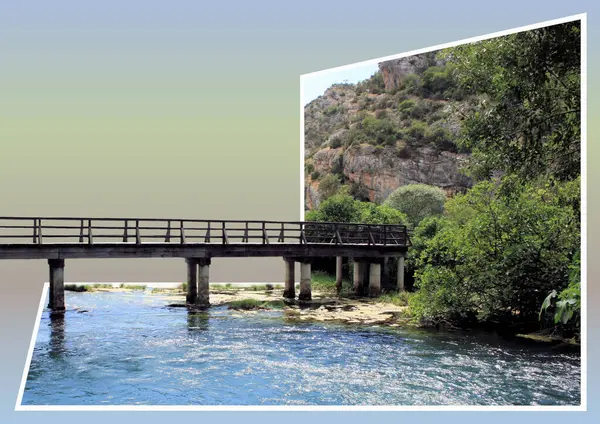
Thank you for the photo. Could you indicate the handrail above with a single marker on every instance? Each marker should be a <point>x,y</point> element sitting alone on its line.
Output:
<point>92,231</point>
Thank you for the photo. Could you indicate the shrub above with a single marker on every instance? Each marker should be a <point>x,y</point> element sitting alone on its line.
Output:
<point>412,84</point>
<point>417,201</point>
<point>406,106</point>
<point>333,110</point>
<point>416,132</point>
<point>328,186</point>
<point>315,175</point>
<point>370,213</point>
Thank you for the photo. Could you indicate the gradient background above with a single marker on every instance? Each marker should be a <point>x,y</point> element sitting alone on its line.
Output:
<point>191,109</point>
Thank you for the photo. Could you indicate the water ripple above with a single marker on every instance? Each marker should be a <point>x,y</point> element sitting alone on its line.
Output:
<point>129,349</point>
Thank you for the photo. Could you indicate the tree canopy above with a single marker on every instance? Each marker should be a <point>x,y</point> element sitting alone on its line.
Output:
<point>527,119</point>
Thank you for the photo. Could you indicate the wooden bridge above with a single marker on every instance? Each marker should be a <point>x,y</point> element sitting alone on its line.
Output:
<point>197,241</point>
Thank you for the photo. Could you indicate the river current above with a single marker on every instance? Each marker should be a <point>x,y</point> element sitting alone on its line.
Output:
<point>130,349</point>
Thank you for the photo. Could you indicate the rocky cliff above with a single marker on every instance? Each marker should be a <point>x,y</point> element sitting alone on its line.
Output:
<point>398,127</point>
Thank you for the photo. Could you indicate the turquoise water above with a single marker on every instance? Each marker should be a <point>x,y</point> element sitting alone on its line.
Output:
<point>130,349</point>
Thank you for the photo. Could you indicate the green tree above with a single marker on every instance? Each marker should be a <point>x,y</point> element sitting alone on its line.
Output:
<point>497,256</point>
<point>370,213</point>
<point>337,208</point>
<point>528,118</point>
<point>417,201</point>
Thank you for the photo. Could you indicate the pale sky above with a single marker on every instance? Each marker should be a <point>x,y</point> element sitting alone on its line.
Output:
<point>315,85</point>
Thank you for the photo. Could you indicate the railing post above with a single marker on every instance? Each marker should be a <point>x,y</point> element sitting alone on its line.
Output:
<point>246,233</point>
<point>181,233</point>
<point>39,230</point>
<point>302,235</point>
<point>90,240</point>
<point>125,235</point>
<point>138,239</point>
<point>282,234</point>
<point>168,236</point>
<point>265,238</point>
<point>35,230</point>
<point>225,238</point>
<point>207,237</point>
<point>81,232</point>
<point>384,235</point>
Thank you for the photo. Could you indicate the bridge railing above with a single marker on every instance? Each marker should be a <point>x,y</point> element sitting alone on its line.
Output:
<point>93,231</point>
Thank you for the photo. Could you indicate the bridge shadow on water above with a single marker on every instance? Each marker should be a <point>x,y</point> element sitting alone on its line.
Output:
<point>57,348</point>
<point>197,321</point>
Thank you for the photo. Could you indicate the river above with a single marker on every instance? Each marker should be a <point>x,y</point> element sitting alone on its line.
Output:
<point>130,349</point>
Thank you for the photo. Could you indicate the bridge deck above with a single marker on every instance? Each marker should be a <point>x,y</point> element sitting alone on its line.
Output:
<point>61,238</point>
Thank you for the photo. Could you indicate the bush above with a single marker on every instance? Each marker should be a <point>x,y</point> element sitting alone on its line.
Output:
<point>333,110</point>
<point>370,213</point>
<point>328,186</point>
<point>406,106</point>
<point>335,142</point>
<point>416,132</point>
<point>315,175</point>
<point>495,257</point>
<point>412,84</point>
<point>417,201</point>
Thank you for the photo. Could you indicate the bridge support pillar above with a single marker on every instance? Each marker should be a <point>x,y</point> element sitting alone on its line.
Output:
<point>338,274</point>
<point>375,280</point>
<point>305,279</point>
<point>192,278</point>
<point>57,285</point>
<point>400,275</point>
<point>359,276</point>
<point>289,291</point>
<point>203,282</point>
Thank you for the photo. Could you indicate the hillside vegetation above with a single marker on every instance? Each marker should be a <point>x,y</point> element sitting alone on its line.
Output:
<point>503,247</point>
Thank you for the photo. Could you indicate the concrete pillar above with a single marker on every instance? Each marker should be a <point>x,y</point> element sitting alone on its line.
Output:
<point>375,280</point>
<point>305,279</point>
<point>192,278</point>
<point>203,280</point>
<point>57,284</point>
<point>289,291</point>
<point>359,277</point>
<point>338,274</point>
<point>400,275</point>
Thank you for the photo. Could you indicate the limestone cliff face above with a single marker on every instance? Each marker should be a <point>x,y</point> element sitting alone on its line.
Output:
<point>381,171</point>
<point>376,136</point>
<point>394,71</point>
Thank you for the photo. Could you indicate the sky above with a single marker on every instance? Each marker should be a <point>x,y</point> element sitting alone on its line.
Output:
<point>315,84</point>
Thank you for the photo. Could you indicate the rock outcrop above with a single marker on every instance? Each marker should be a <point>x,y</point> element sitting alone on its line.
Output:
<point>394,71</point>
<point>378,135</point>
<point>381,171</point>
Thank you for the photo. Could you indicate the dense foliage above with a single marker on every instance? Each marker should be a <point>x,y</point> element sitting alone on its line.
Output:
<point>343,208</point>
<point>507,250</point>
<point>417,201</point>
<point>497,256</point>
<point>527,120</point>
